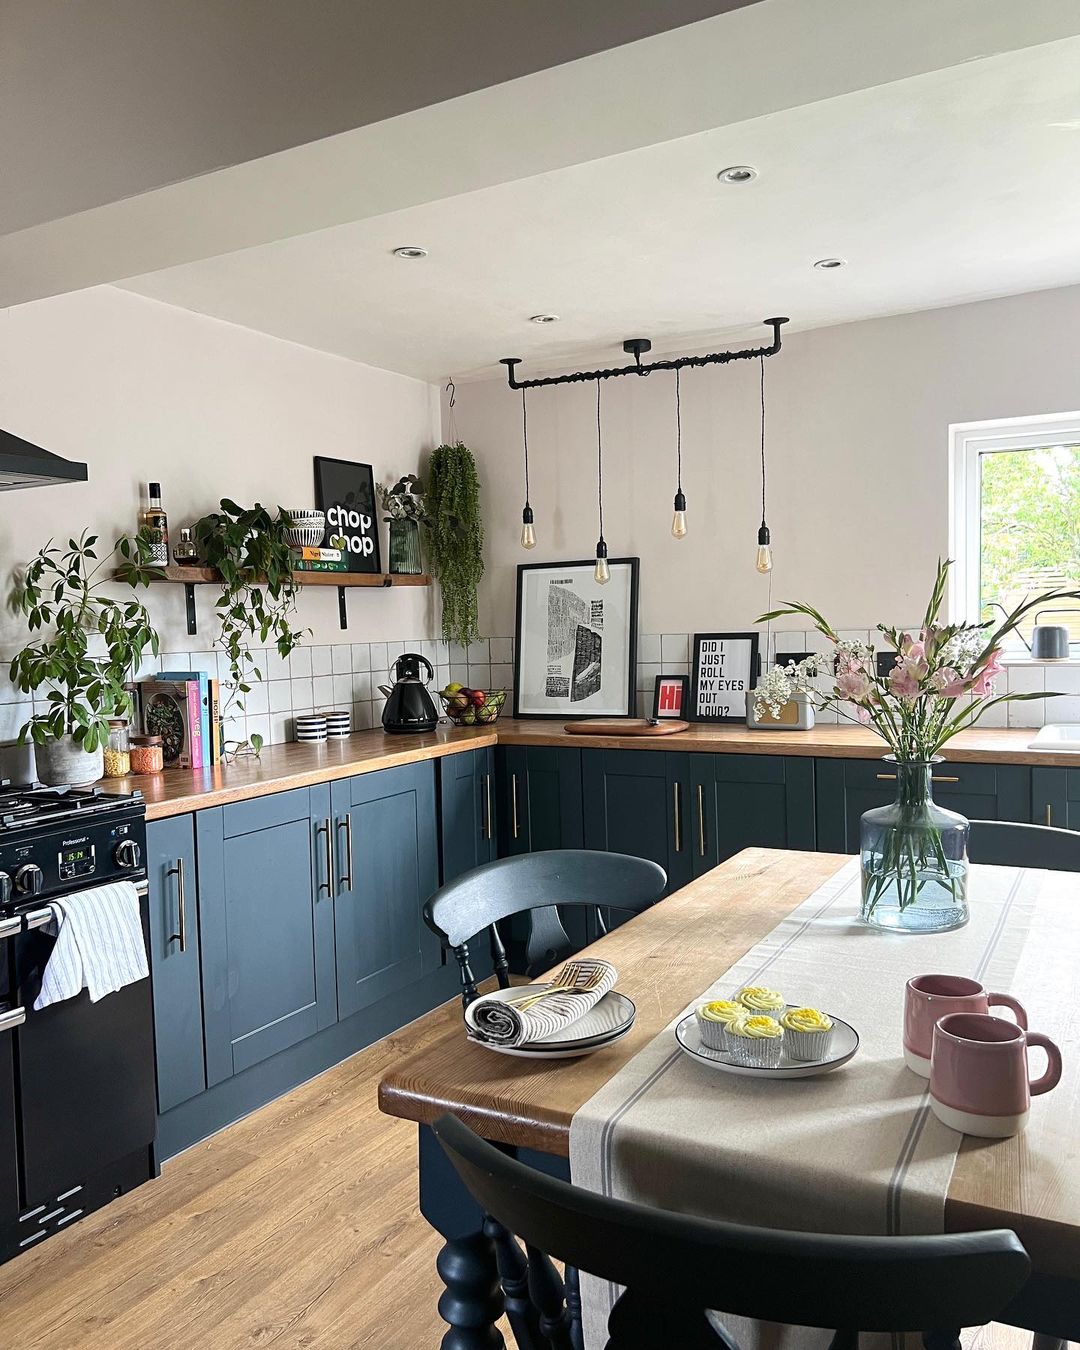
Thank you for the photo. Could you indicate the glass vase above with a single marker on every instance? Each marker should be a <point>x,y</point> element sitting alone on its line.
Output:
<point>405,548</point>
<point>914,858</point>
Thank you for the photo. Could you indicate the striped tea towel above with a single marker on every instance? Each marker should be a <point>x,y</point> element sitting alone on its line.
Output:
<point>99,944</point>
<point>490,1019</point>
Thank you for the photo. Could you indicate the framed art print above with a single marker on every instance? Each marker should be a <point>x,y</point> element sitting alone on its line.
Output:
<point>345,490</point>
<point>671,697</point>
<point>576,640</point>
<point>725,667</point>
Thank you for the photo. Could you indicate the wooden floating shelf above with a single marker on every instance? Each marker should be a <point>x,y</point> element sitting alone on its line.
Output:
<point>190,577</point>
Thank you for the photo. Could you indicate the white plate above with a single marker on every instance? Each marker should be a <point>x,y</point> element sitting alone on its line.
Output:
<point>608,1021</point>
<point>842,1046</point>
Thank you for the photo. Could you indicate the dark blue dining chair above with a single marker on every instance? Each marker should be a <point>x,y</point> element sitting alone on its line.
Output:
<point>681,1275</point>
<point>1006,844</point>
<point>535,883</point>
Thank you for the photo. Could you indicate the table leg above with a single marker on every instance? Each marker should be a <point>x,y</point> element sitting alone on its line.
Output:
<point>472,1300</point>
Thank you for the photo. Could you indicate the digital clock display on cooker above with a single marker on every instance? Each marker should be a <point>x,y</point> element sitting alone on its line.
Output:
<point>76,860</point>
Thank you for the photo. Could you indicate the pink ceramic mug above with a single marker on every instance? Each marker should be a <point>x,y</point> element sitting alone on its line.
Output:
<point>929,997</point>
<point>979,1074</point>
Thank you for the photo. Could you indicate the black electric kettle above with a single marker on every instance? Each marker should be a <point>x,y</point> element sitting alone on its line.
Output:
<point>408,704</point>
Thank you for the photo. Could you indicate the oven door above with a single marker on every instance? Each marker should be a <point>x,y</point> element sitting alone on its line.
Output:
<point>11,1016</point>
<point>84,1075</point>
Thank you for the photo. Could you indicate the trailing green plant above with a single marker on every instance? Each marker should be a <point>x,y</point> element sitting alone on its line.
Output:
<point>251,550</point>
<point>456,538</point>
<point>62,590</point>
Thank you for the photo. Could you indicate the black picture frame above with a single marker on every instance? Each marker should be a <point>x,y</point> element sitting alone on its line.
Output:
<point>684,700</point>
<point>346,484</point>
<point>624,581</point>
<point>734,709</point>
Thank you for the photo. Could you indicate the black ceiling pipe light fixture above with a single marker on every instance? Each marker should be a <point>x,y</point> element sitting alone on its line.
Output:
<point>528,532</point>
<point>678,520</point>
<point>637,347</point>
<point>764,538</point>
<point>601,573</point>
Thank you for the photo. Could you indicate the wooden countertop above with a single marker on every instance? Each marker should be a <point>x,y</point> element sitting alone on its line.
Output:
<point>668,955</point>
<point>290,766</point>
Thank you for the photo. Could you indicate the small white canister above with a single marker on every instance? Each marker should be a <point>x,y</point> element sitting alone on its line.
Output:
<point>797,714</point>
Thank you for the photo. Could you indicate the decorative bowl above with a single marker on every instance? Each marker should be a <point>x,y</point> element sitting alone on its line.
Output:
<point>465,712</point>
<point>308,527</point>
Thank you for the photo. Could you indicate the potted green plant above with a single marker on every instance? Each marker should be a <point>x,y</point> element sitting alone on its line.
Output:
<point>455,538</point>
<point>251,549</point>
<point>94,646</point>
<point>405,511</point>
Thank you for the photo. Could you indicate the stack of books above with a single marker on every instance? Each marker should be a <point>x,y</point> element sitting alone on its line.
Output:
<point>183,707</point>
<point>308,559</point>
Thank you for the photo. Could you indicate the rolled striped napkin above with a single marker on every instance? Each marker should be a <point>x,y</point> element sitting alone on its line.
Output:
<point>490,1019</point>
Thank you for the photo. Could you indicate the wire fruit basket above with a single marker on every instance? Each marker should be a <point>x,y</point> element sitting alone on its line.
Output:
<point>473,707</point>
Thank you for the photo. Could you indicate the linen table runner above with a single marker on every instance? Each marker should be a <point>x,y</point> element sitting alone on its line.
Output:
<point>853,1151</point>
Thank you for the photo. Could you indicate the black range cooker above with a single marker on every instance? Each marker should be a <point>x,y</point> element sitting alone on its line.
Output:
<point>77,1100</point>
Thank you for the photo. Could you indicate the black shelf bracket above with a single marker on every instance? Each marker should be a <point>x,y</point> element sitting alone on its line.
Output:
<point>189,605</point>
<point>637,347</point>
<point>342,608</point>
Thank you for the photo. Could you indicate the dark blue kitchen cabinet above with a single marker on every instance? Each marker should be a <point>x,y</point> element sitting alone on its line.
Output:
<point>743,801</point>
<point>387,864</point>
<point>267,926</point>
<point>1055,797</point>
<point>174,960</point>
<point>539,798</point>
<point>845,788</point>
<point>638,802</point>
<point>467,829</point>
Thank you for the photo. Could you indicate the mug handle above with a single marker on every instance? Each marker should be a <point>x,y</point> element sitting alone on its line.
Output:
<point>1007,1001</point>
<point>1052,1076</point>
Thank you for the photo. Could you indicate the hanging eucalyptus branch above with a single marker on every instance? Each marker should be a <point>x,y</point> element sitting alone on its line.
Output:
<point>456,538</point>
<point>61,590</point>
<point>250,548</point>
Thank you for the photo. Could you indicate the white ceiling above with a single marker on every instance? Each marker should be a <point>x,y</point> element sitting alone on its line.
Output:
<point>951,186</point>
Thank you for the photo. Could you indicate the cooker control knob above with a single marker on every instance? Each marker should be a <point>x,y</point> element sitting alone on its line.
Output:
<point>128,854</point>
<point>29,879</point>
<point>5,888</point>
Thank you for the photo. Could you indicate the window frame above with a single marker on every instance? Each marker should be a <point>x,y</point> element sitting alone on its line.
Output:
<point>969,441</point>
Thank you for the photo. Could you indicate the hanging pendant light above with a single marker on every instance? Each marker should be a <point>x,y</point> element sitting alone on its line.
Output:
<point>601,572</point>
<point>528,533</point>
<point>678,520</point>
<point>764,539</point>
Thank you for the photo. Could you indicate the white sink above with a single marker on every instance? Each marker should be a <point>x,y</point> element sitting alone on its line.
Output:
<point>1058,737</point>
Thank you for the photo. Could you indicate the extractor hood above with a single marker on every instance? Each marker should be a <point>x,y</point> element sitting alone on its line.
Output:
<point>23,465</point>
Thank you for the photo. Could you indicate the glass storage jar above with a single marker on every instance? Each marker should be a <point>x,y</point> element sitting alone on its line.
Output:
<point>147,755</point>
<point>118,750</point>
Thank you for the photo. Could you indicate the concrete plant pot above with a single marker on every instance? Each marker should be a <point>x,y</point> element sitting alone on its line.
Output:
<point>64,763</point>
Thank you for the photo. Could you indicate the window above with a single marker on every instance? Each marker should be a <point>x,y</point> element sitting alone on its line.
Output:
<point>1015,517</point>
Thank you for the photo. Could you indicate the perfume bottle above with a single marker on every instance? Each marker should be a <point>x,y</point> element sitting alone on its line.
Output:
<point>185,553</point>
<point>155,523</point>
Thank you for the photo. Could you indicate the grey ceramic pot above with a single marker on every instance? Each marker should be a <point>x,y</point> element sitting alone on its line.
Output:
<point>63,763</point>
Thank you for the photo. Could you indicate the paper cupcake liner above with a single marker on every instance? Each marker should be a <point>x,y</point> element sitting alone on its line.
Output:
<point>713,1034</point>
<point>807,1045</point>
<point>755,1052</point>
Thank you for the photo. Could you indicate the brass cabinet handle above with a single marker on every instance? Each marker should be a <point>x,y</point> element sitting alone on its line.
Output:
<point>934,778</point>
<point>1049,814</point>
<point>678,818</point>
<point>701,818</point>
<point>513,806</point>
<point>328,884</point>
<point>347,880</point>
<point>487,807</point>
<point>181,904</point>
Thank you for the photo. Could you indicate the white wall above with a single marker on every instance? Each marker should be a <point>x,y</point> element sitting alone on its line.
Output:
<point>857,451</point>
<point>140,391</point>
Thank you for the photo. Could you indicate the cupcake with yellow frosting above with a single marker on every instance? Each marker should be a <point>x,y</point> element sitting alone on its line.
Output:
<point>760,1001</point>
<point>806,1033</point>
<point>714,1018</point>
<point>755,1041</point>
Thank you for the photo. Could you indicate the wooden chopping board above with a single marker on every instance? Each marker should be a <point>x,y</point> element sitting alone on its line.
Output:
<point>625,726</point>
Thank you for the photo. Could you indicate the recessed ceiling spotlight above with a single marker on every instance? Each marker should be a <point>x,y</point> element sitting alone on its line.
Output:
<point>543,318</point>
<point>828,264</point>
<point>737,173</point>
<point>410,251</point>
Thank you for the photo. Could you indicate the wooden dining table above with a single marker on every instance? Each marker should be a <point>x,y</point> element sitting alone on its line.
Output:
<point>666,957</point>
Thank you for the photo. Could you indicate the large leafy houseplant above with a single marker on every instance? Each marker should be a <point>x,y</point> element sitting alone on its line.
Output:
<point>250,548</point>
<point>92,648</point>
<point>455,538</point>
<point>939,682</point>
